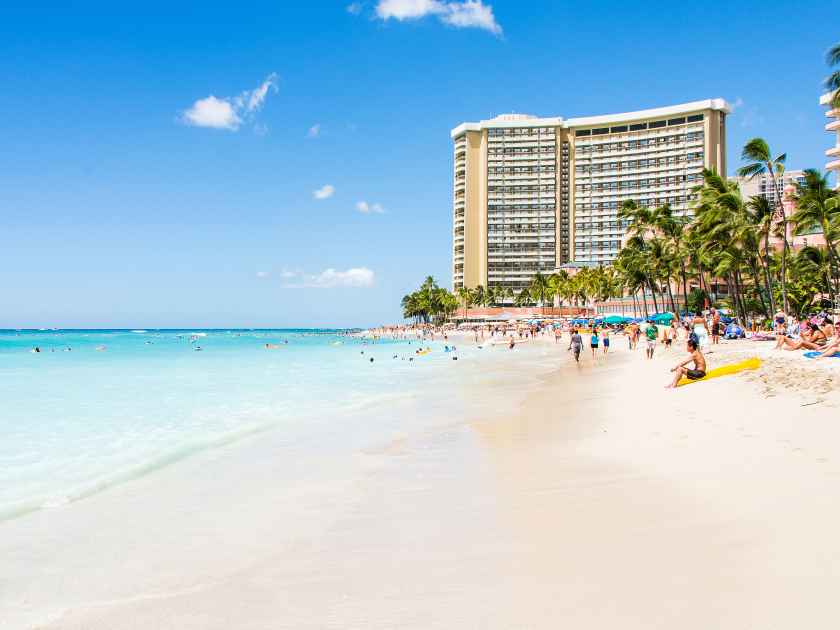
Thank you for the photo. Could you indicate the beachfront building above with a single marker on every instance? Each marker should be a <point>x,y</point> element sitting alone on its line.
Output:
<point>762,185</point>
<point>533,194</point>
<point>832,126</point>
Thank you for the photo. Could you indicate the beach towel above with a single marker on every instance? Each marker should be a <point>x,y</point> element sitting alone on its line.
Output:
<point>725,370</point>
<point>815,353</point>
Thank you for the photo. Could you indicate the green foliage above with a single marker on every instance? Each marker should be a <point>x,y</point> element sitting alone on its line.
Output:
<point>430,303</point>
<point>696,300</point>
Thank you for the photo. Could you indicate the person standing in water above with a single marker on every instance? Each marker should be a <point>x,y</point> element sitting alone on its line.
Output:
<point>576,344</point>
<point>605,339</point>
<point>593,342</point>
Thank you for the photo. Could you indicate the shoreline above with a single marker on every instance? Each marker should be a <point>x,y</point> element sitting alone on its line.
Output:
<point>601,501</point>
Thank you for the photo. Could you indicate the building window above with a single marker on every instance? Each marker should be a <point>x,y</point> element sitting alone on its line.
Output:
<point>695,118</point>
<point>676,121</point>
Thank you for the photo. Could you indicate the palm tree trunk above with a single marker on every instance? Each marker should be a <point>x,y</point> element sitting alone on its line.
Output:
<point>653,294</point>
<point>644,300</point>
<point>767,272</point>
<point>781,208</point>
<point>685,286</point>
<point>740,294</point>
<point>634,304</point>
<point>703,286</point>
<point>757,284</point>
<point>671,295</point>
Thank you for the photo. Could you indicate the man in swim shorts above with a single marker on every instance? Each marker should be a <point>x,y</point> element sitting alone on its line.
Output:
<point>693,374</point>
<point>651,334</point>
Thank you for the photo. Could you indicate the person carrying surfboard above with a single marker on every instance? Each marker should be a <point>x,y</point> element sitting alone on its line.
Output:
<point>699,370</point>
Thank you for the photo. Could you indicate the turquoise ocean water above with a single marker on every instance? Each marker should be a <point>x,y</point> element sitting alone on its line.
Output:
<point>96,408</point>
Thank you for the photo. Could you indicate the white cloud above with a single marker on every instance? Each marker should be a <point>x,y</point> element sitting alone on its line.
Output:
<point>229,113</point>
<point>737,103</point>
<point>262,274</point>
<point>356,277</point>
<point>369,208</point>
<point>212,112</point>
<point>464,14</point>
<point>354,8</point>
<point>325,192</point>
<point>314,131</point>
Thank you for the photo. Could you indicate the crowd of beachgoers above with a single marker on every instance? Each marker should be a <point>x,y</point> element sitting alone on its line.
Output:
<point>817,335</point>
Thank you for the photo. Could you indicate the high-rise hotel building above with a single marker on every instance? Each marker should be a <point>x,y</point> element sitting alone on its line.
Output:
<point>832,126</point>
<point>531,194</point>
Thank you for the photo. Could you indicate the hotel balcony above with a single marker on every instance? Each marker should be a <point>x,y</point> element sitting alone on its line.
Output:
<point>833,165</point>
<point>833,126</point>
<point>834,151</point>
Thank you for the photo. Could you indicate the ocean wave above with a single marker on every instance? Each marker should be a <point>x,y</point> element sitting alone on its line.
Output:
<point>131,473</point>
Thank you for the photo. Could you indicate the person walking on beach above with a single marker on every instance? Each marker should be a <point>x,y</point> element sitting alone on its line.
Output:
<point>695,373</point>
<point>668,334</point>
<point>576,344</point>
<point>701,330</point>
<point>715,327</point>
<point>651,334</point>
<point>605,339</point>
<point>593,341</point>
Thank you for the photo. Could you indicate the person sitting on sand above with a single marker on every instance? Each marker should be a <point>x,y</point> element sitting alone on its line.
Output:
<point>811,337</point>
<point>779,321</point>
<point>695,373</point>
<point>833,347</point>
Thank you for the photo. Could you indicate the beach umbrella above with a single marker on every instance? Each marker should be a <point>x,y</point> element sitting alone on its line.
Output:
<point>663,318</point>
<point>615,319</point>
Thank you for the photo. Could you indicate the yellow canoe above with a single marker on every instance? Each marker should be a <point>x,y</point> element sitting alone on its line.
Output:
<point>725,370</point>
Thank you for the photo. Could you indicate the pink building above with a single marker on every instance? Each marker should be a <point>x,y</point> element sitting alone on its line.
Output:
<point>814,238</point>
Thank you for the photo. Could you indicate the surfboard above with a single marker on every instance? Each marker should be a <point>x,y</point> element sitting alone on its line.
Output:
<point>725,370</point>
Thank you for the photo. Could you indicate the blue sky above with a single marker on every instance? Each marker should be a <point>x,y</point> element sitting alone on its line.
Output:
<point>118,208</point>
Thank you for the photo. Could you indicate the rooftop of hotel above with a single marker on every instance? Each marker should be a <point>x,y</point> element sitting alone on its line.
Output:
<point>527,120</point>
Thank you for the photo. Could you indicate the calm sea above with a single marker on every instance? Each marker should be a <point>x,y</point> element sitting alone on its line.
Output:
<point>95,408</point>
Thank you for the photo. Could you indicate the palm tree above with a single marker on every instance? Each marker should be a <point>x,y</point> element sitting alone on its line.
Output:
<point>466,297</point>
<point>557,285</point>
<point>817,206</point>
<point>672,228</point>
<point>480,296</point>
<point>760,161</point>
<point>540,289</point>
<point>832,83</point>
<point>523,298</point>
<point>761,216</point>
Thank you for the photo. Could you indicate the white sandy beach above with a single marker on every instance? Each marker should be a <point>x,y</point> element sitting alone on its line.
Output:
<point>602,501</point>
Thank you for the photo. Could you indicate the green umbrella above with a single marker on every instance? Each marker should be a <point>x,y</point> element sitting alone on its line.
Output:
<point>663,318</point>
<point>614,319</point>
